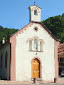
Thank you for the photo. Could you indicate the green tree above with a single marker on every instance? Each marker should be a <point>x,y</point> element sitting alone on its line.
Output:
<point>56,26</point>
<point>6,32</point>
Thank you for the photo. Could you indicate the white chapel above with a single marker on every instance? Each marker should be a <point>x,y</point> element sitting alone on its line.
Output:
<point>30,53</point>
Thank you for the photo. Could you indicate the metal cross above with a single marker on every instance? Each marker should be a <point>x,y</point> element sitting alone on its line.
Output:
<point>34,3</point>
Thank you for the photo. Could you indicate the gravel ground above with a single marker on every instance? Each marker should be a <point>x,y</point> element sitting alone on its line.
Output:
<point>31,84</point>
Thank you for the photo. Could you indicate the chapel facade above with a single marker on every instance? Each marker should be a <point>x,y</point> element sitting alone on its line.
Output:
<point>30,53</point>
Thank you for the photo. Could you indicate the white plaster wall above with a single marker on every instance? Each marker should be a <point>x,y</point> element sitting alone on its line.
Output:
<point>24,56</point>
<point>33,17</point>
<point>4,72</point>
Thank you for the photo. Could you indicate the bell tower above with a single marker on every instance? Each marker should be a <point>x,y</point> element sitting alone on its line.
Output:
<point>34,13</point>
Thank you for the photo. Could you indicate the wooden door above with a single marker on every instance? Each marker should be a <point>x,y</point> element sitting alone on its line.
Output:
<point>35,68</point>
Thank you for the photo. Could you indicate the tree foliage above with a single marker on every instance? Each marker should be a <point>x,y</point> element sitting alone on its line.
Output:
<point>56,26</point>
<point>6,32</point>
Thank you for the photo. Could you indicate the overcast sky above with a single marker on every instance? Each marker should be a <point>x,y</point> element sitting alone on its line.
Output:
<point>15,13</point>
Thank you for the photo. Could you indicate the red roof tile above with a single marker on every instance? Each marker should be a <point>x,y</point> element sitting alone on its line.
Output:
<point>61,49</point>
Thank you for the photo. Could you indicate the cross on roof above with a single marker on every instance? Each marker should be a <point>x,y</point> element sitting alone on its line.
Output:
<point>34,3</point>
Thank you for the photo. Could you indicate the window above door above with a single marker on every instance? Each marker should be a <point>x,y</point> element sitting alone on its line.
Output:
<point>35,44</point>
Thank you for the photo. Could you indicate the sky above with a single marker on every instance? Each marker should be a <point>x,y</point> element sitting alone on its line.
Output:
<point>15,13</point>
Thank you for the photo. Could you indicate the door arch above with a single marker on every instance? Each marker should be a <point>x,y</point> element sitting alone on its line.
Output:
<point>35,68</point>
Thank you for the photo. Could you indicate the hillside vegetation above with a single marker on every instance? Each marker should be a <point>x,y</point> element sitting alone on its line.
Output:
<point>6,32</point>
<point>54,24</point>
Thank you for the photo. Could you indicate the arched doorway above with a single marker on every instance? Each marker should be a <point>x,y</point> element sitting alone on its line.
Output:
<point>35,68</point>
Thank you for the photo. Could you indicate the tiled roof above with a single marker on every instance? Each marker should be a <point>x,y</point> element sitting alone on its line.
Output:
<point>61,49</point>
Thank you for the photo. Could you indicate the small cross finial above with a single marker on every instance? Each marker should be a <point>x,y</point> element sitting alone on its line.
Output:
<point>34,3</point>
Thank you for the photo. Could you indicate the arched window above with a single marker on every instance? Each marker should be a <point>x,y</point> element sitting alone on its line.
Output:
<point>41,46</point>
<point>36,44</point>
<point>1,64</point>
<point>35,12</point>
<point>30,45</point>
<point>6,56</point>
